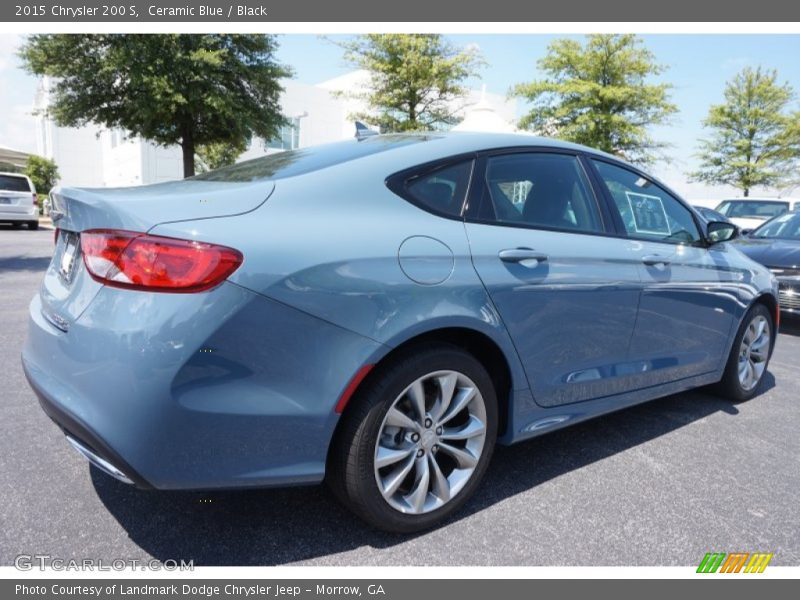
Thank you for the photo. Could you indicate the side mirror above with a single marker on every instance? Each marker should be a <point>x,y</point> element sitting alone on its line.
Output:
<point>720,231</point>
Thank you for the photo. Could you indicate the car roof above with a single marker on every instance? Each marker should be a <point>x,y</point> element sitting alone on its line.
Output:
<point>751,199</point>
<point>22,175</point>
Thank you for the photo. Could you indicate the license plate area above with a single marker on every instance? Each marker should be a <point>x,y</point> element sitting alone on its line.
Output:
<point>69,256</point>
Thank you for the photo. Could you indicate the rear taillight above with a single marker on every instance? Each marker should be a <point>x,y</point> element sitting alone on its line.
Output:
<point>139,261</point>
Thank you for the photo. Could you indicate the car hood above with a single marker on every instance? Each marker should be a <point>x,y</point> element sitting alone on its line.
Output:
<point>771,252</point>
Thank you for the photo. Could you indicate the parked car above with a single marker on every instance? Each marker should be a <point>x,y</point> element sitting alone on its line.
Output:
<point>709,214</point>
<point>776,244</point>
<point>18,200</point>
<point>380,313</point>
<point>749,213</point>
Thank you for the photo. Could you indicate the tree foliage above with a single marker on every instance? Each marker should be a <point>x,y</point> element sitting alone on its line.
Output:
<point>43,173</point>
<point>599,94</point>
<point>219,154</point>
<point>184,89</point>
<point>754,139</point>
<point>415,80</point>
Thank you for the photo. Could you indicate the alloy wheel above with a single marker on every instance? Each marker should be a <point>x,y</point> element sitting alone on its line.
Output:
<point>430,442</point>
<point>754,352</point>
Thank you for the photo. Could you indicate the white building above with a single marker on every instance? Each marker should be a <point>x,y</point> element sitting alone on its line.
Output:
<point>91,156</point>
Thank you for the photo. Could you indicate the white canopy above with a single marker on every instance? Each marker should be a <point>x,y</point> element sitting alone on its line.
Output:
<point>14,157</point>
<point>483,118</point>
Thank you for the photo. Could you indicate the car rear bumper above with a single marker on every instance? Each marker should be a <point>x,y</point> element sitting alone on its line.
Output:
<point>221,389</point>
<point>19,214</point>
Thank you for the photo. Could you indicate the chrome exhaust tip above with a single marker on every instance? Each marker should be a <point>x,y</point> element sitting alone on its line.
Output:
<point>102,464</point>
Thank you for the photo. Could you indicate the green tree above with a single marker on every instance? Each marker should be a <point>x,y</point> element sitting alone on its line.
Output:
<point>415,80</point>
<point>43,173</point>
<point>754,140</point>
<point>190,90</point>
<point>599,94</point>
<point>219,154</point>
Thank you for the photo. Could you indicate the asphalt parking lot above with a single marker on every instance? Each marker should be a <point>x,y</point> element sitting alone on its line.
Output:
<point>658,484</point>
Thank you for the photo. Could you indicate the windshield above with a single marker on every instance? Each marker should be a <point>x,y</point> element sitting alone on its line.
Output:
<point>785,227</point>
<point>306,160</point>
<point>757,209</point>
<point>10,183</point>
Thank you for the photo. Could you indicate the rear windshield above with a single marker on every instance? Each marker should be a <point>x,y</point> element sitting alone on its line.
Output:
<point>306,160</point>
<point>750,208</point>
<point>10,183</point>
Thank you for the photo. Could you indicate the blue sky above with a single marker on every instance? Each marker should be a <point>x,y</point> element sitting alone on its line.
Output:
<point>698,66</point>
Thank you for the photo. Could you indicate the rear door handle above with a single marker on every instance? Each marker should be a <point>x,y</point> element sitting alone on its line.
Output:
<point>525,256</point>
<point>652,260</point>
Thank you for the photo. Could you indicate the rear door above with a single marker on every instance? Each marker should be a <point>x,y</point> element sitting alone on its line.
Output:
<point>566,291</point>
<point>690,290</point>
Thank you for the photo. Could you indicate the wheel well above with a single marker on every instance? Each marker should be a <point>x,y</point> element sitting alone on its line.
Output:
<point>771,303</point>
<point>481,347</point>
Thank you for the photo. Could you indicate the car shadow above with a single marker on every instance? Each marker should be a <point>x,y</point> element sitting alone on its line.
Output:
<point>24,263</point>
<point>790,324</point>
<point>278,526</point>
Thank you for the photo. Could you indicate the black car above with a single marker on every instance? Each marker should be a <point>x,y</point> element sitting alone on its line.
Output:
<point>709,214</point>
<point>776,245</point>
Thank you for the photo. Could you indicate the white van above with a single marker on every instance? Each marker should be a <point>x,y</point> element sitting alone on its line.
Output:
<point>18,200</point>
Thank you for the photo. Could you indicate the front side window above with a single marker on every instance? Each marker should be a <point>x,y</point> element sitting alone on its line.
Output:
<point>539,190</point>
<point>647,211</point>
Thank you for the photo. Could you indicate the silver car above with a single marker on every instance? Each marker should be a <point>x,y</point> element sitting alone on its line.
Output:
<point>18,200</point>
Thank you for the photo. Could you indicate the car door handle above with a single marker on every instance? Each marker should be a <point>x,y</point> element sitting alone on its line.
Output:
<point>521,255</point>
<point>652,260</point>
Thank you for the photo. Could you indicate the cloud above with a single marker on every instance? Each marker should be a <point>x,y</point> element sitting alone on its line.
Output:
<point>9,43</point>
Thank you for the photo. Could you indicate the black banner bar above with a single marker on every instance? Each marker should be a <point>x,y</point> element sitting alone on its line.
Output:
<point>265,11</point>
<point>388,589</point>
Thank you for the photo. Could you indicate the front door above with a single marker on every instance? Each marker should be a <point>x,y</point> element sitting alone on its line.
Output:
<point>689,295</point>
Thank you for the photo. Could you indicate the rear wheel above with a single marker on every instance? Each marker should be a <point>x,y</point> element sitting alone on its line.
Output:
<point>749,356</point>
<point>16,224</point>
<point>33,224</point>
<point>418,441</point>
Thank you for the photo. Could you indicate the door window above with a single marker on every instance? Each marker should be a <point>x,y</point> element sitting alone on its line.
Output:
<point>539,190</point>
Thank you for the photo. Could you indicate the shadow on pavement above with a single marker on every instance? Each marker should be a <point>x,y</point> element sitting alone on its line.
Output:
<point>24,263</point>
<point>268,527</point>
<point>790,324</point>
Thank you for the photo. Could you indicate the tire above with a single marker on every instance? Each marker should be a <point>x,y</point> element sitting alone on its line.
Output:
<point>33,225</point>
<point>16,224</point>
<point>416,503</point>
<point>749,353</point>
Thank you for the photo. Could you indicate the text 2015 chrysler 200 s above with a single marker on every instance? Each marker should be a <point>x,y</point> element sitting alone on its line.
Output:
<point>379,313</point>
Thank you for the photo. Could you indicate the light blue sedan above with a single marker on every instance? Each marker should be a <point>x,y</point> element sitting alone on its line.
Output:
<point>380,313</point>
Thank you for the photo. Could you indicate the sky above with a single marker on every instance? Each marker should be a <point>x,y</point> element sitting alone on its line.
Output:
<point>697,66</point>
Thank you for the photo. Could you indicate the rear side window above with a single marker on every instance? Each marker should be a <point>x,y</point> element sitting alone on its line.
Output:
<point>539,190</point>
<point>441,191</point>
<point>10,183</point>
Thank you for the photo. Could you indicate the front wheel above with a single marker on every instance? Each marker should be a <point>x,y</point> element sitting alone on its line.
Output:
<point>33,224</point>
<point>749,355</point>
<point>418,441</point>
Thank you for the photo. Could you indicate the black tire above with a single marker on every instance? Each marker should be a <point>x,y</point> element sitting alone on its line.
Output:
<point>730,386</point>
<point>16,224</point>
<point>350,471</point>
<point>33,225</point>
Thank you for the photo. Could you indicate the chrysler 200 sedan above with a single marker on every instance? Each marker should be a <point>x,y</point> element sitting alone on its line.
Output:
<point>379,313</point>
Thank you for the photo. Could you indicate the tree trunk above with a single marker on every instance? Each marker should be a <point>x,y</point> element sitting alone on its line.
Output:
<point>746,192</point>
<point>187,144</point>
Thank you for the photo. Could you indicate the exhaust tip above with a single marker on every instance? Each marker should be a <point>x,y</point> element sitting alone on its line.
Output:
<point>101,463</point>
